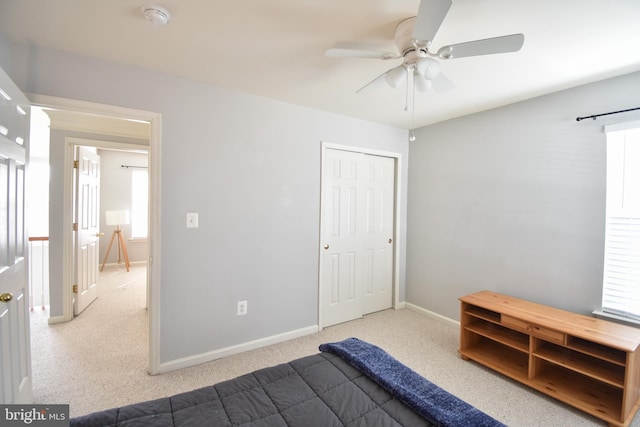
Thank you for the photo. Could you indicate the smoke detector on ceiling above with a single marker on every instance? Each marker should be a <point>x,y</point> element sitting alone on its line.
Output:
<point>156,15</point>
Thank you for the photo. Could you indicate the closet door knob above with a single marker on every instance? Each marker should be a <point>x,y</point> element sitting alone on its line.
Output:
<point>326,246</point>
<point>6,297</point>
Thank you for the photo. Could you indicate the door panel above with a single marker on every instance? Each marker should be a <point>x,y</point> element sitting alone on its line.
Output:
<point>15,349</point>
<point>356,254</point>
<point>339,266</point>
<point>379,188</point>
<point>87,235</point>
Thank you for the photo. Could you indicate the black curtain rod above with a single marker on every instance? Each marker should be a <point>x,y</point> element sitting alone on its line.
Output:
<point>606,114</point>
<point>131,166</point>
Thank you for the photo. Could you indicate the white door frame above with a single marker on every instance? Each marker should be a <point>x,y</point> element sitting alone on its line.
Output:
<point>396,226</point>
<point>154,240</point>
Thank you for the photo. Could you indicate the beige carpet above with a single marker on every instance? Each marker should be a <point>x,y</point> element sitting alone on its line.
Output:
<point>99,360</point>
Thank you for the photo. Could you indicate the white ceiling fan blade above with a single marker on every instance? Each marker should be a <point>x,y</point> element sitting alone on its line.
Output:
<point>431,13</point>
<point>374,83</point>
<point>442,83</point>
<point>359,50</point>
<point>503,44</point>
<point>354,53</point>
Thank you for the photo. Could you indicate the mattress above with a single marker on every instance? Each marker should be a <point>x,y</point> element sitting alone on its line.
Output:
<point>349,383</point>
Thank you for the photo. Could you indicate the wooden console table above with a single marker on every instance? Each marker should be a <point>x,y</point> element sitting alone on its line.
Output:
<point>588,363</point>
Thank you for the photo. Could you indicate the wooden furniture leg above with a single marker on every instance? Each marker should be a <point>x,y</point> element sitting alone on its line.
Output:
<point>106,255</point>
<point>124,250</point>
<point>121,246</point>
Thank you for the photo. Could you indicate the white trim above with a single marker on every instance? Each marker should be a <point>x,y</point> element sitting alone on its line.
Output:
<point>67,233</point>
<point>137,239</point>
<point>79,106</point>
<point>615,318</point>
<point>622,126</point>
<point>155,140</point>
<point>397,215</point>
<point>433,315</point>
<point>111,264</point>
<point>101,143</point>
<point>234,349</point>
<point>56,319</point>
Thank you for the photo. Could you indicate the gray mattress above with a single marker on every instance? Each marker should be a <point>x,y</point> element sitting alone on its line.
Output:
<point>319,390</point>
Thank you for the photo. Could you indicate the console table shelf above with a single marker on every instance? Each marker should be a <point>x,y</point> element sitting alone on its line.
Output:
<point>589,363</point>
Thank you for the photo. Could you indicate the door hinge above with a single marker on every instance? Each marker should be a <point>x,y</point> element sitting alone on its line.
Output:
<point>75,226</point>
<point>76,164</point>
<point>74,289</point>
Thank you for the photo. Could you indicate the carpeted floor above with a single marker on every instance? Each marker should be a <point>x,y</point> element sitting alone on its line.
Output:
<point>99,360</point>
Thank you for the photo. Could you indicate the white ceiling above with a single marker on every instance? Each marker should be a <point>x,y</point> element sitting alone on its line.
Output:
<point>275,48</point>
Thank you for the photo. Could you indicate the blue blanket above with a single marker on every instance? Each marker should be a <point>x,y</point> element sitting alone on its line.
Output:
<point>433,403</point>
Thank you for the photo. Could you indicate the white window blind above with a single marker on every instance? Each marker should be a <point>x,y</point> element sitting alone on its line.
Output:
<point>621,281</point>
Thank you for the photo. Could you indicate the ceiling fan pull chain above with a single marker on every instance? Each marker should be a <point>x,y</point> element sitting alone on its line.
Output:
<point>406,95</point>
<point>413,100</point>
<point>412,135</point>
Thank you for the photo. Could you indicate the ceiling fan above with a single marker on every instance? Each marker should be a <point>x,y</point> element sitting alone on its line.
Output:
<point>413,38</point>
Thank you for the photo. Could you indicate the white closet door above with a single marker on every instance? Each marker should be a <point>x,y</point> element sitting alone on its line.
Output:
<point>357,242</point>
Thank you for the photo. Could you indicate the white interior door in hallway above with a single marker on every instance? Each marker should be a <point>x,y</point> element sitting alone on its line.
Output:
<point>87,227</point>
<point>356,257</point>
<point>15,347</point>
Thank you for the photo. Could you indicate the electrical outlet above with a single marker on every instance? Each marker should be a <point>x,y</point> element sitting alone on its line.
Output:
<point>242,308</point>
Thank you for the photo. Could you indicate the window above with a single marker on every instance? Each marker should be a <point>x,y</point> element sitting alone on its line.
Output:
<point>139,203</point>
<point>621,281</point>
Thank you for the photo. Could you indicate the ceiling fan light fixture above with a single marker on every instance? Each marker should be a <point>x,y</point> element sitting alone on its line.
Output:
<point>396,76</point>
<point>428,68</point>
<point>421,84</point>
<point>156,15</point>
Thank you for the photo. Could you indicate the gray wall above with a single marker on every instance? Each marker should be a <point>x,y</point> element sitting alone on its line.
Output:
<point>513,200</point>
<point>251,168</point>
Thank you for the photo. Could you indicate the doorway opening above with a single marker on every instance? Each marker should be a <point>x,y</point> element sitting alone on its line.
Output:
<point>115,204</point>
<point>61,205</point>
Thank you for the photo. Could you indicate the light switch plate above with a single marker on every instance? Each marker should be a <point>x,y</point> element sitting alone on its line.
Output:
<point>192,220</point>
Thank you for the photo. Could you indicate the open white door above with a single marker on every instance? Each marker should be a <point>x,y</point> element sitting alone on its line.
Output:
<point>15,347</point>
<point>87,223</point>
<point>356,257</point>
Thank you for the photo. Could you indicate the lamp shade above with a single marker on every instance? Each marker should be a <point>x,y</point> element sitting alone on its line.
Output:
<point>421,84</point>
<point>396,76</point>
<point>117,217</point>
<point>428,68</point>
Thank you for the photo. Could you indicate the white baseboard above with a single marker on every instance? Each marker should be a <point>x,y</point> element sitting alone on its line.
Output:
<point>121,263</point>
<point>57,319</point>
<point>228,351</point>
<point>440,318</point>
